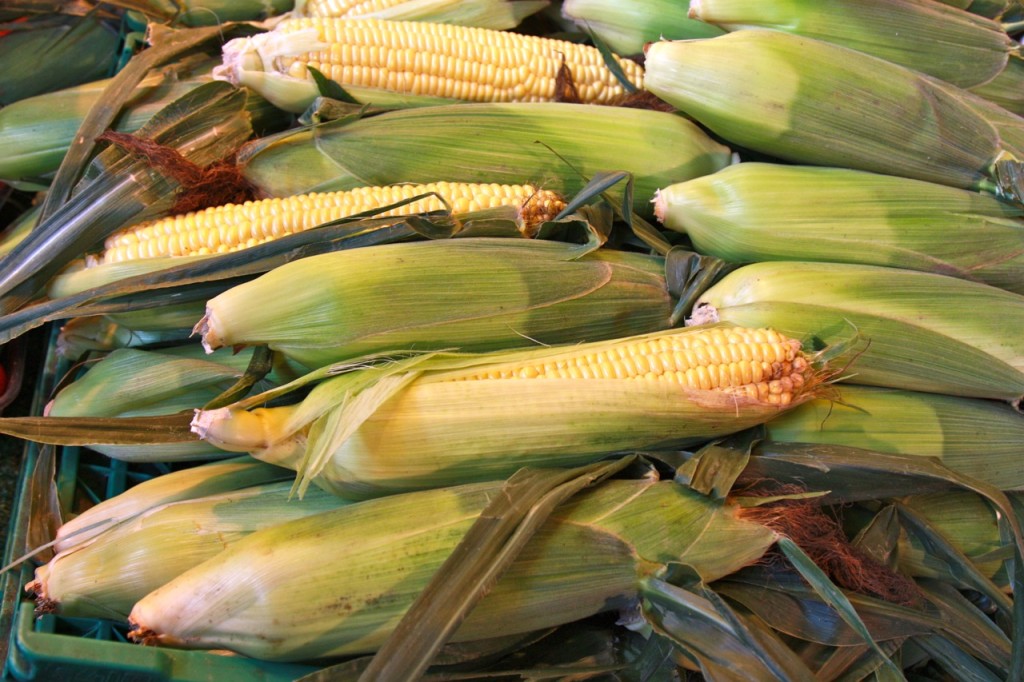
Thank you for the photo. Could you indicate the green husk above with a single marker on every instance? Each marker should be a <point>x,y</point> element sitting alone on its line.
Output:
<point>917,331</point>
<point>495,14</point>
<point>556,146</point>
<point>104,576</point>
<point>958,47</point>
<point>757,211</point>
<point>978,438</point>
<point>349,597</point>
<point>36,132</point>
<point>756,88</point>
<point>523,292</point>
<point>47,53</point>
<point>184,484</point>
<point>627,26</point>
<point>405,424</point>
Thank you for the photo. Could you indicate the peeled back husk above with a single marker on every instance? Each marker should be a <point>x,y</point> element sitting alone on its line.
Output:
<point>752,212</point>
<point>470,294</point>
<point>338,583</point>
<point>916,330</point>
<point>442,419</point>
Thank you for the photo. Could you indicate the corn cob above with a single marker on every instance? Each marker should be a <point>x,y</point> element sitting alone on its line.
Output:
<point>132,383</point>
<point>494,14</point>
<point>445,421</point>
<point>961,48</point>
<point>757,211</point>
<point>755,88</point>
<point>505,143</point>
<point>626,26</point>
<point>233,227</point>
<point>104,577</point>
<point>417,60</point>
<point>382,552</point>
<point>916,330</point>
<point>35,133</point>
<point>979,438</point>
<point>524,291</point>
<point>190,483</point>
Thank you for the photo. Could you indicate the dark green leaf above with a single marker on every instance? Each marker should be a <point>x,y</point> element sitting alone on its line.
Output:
<point>726,645</point>
<point>329,88</point>
<point>831,594</point>
<point>963,667</point>
<point>957,565</point>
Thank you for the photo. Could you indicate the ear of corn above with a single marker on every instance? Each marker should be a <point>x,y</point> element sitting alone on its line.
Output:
<point>917,330</point>
<point>587,558</point>
<point>233,227</point>
<point>491,142</point>
<point>757,211</point>
<point>134,383</point>
<point>185,484</point>
<point>626,26</point>
<point>757,89</point>
<point>105,576</point>
<point>979,438</point>
<point>372,57</point>
<point>447,421</point>
<point>35,133</point>
<point>958,47</point>
<point>524,292</point>
<point>493,14</point>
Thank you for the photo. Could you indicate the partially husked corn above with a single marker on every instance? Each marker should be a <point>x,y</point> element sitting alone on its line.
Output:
<point>418,59</point>
<point>232,227</point>
<point>441,419</point>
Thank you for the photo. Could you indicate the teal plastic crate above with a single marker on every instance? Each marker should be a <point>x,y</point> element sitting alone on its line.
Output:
<point>51,647</point>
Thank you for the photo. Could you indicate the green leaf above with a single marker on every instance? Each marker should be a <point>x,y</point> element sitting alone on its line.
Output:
<point>713,470</point>
<point>329,88</point>
<point>727,645</point>
<point>831,594</point>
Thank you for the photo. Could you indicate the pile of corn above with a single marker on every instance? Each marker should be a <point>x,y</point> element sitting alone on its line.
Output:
<point>768,254</point>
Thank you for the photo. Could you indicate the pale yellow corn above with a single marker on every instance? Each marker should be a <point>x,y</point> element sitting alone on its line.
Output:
<point>758,363</point>
<point>222,229</point>
<point>457,62</point>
